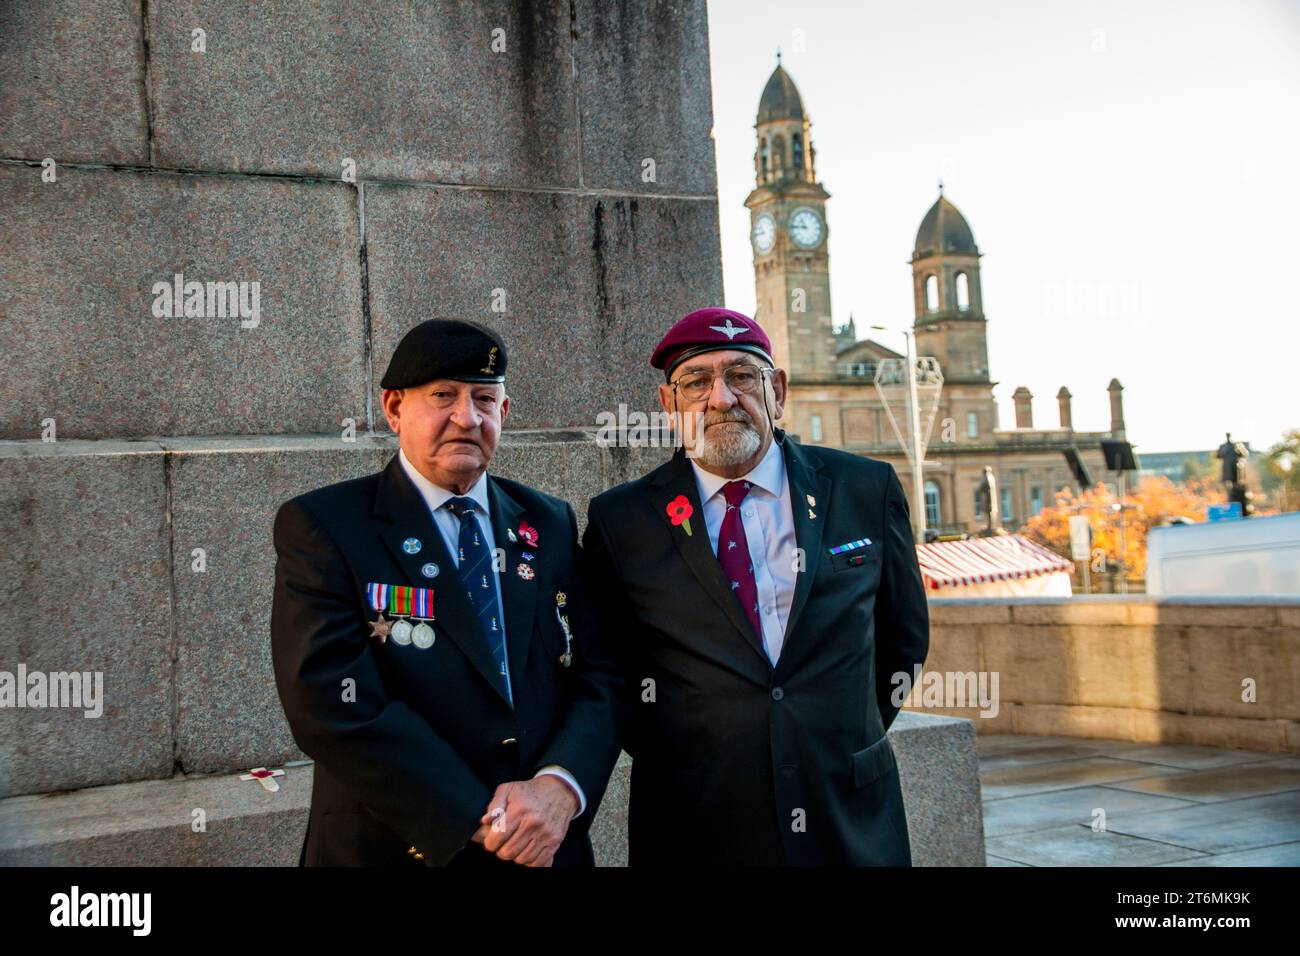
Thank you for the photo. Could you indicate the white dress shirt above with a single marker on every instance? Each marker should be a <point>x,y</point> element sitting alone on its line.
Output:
<point>448,526</point>
<point>769,528</point>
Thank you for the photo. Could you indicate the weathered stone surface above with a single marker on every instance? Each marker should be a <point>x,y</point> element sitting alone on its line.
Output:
<point>225,493</point>
<point>72,82</point>
<point>568,465</point>
<point>84,586</point>
<point>609,830</point>
<point>645,92</point>
<point>409,92</point>
<point>151,823</point>
<point>939,772</point>
<point>82,346</point>
<point>581,288</point>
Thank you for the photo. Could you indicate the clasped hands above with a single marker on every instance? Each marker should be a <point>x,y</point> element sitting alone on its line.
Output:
<point>526,820</point>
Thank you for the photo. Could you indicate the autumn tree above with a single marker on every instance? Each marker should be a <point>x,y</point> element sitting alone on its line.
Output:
<point>1153,503</point>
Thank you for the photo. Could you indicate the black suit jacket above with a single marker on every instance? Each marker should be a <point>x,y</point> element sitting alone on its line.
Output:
<point>414,759</point>
<point>736,761</point>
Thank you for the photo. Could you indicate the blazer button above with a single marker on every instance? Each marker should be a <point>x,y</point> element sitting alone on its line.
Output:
<point>777,693</point>
<point>508,741</point>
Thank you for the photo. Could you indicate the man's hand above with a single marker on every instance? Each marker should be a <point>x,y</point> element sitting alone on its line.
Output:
<point>526,820</point>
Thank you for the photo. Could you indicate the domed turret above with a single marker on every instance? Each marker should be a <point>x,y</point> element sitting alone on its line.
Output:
<point>944,229</point>
<point>780,100</point>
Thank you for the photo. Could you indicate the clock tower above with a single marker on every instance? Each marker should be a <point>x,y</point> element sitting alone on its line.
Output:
<point>788,235</point>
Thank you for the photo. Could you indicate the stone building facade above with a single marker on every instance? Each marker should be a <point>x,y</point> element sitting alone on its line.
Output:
<point>833,397</point>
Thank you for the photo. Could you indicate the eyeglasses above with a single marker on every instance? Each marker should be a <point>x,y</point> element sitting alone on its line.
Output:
<point>743,379</point>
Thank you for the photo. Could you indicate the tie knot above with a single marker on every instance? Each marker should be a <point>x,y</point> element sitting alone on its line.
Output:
<point>735,491</point>
<point>460,506</point>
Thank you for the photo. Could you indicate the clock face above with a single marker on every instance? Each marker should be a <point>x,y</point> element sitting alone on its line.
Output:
<point>764,233</point>
<point>806,228</point>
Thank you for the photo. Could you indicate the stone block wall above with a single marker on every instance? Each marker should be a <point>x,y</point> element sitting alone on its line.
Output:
<point>546,168</point>
<point>1216,671</point>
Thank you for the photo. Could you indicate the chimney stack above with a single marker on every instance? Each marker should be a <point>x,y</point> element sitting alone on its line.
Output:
<point>1063,401</point>
<point>1024,408</point>
<point>1116,408</point>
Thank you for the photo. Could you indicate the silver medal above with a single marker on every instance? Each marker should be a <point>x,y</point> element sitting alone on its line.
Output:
<point>401,632</point>
<point>422,636</point>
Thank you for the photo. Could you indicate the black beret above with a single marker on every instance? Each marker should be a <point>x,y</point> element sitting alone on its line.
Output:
<point>446,348</point>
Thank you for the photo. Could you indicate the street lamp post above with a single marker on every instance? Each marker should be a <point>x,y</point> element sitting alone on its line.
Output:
<point>917,450</point>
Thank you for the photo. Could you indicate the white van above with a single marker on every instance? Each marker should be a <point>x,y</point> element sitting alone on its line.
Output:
<point>1257,555</point>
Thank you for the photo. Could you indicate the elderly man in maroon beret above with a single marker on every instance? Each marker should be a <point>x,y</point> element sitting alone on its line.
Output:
<point>761,593</point>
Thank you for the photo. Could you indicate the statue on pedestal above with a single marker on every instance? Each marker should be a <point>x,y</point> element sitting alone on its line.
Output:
<point>990,504</point>
<point>1232,472</point>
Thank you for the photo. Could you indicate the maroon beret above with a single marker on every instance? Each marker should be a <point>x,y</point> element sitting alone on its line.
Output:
<point>709,330</point>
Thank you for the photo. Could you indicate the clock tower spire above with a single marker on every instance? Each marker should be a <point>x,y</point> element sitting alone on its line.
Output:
<point>788,233</point>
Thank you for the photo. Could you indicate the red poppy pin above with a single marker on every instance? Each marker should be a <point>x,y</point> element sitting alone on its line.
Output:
<point>528,533</point>
<point>680,511</point>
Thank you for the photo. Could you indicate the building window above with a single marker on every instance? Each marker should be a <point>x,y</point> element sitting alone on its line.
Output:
<point>963,292</point>
<point>932,293</point>
<point>932,504</point>
<point>1006,503</point>
<point>979,505</point>
<point>798,151</point>
<point>816,428</point>
<point>1035,500</point>
<point>762,153</point>
<point>972,425</point>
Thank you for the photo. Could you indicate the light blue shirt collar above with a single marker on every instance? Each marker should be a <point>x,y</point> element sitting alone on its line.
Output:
<point>768,475</point>
<point>436,496</point>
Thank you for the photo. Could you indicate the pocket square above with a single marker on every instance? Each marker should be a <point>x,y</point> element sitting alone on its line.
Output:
<point>841,548</point>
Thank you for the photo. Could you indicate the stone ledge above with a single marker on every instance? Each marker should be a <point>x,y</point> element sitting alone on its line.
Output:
<point>150,823</point>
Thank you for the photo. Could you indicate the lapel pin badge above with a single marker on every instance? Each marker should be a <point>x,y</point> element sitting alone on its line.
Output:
<point>812,502</point>
<point>567,657</point>
<point>529,534</point>
<point>510,533</point>
<point>430,570</point>
<point>525,571</point>
<point>412,545</point>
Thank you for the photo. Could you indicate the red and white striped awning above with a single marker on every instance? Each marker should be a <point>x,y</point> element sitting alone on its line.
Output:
<point>976,560</point>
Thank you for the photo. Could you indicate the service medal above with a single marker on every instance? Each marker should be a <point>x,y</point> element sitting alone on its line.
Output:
<point>422,636</point>
<point>401,632</point>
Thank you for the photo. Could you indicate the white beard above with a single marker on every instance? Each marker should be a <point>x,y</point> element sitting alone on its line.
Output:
<point>725,447</point>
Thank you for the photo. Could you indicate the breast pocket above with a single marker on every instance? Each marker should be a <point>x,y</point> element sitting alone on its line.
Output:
<point>864,556</point>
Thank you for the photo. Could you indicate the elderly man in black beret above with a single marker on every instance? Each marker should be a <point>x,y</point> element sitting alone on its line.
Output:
<point>428,640</point>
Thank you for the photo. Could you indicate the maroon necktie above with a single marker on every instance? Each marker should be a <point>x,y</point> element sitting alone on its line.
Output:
<point>733,554</point>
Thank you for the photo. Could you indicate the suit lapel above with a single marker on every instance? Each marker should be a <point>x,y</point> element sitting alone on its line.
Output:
<point>678,480</point>
<point>518,595</point>
<point>400,503</point>
<point>810,495</point>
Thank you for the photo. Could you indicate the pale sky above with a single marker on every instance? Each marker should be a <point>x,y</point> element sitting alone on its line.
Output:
<point>1125,168</point>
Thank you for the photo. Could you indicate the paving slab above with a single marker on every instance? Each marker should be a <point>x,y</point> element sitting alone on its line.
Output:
<point>1284,854</point>
<point>1193,756</point>
<point>1223,827</point>
<point>1079,845</point>
<point>1045,811</point>
<point>1222,783</point>
<point>1062,774</point>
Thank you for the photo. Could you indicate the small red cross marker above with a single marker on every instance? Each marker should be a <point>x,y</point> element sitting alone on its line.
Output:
<point>265,777</point>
